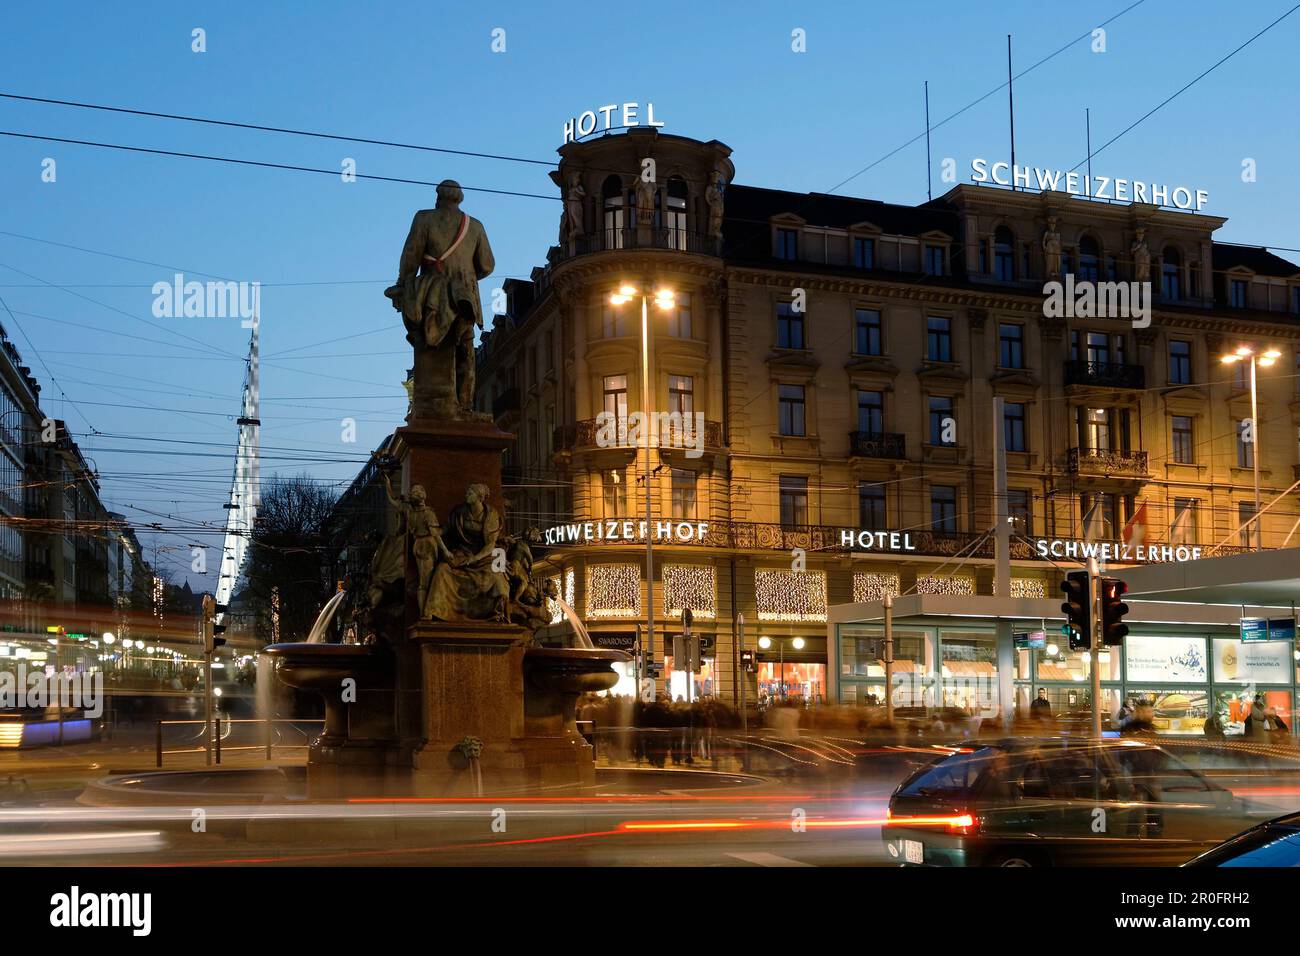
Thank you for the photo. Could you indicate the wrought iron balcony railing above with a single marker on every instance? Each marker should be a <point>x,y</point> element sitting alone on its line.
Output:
<point>877,445</point>
<point>1105,374</point>
<point>630,238</point>
<point>1093,461</point>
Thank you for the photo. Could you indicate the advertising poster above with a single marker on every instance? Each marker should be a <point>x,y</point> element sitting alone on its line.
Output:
<point>1251,662</point>
<point>1165,659</point>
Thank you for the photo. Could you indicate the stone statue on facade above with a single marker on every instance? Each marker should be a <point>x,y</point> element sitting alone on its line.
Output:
<point>1052,248</point>
<point>445,255</point>
<point>1141,256</point>
<point>574,199</point>
<point>713,195</point>
<point>645,200</point>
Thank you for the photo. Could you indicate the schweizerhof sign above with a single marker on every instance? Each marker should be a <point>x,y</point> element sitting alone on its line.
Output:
<point>1094,187</point>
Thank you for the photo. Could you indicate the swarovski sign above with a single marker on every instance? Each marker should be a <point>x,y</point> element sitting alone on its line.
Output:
<point>585,123</point>
<point>1094,187</point>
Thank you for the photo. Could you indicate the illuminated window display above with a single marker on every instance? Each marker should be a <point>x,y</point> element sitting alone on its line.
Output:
<point>613,590</point>
<point>693,586</point>
<point>874,585</point>
<point>790,595</point>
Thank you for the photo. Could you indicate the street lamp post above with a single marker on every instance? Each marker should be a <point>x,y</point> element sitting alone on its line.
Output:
<point>664,299</point>
<point>1242,354</point>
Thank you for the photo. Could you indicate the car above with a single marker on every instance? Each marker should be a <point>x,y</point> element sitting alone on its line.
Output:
<point>1060,801</point>
<point>1274,843</point>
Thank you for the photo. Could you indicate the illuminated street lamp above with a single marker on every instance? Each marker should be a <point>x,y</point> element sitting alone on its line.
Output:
<point>664,299</point>
<point>1242,354</point>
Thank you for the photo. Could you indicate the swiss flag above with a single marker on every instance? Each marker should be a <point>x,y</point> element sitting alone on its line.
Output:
<point>1135,532</point>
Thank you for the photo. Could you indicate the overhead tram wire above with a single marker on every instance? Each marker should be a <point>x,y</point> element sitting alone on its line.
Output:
<point>265,165</point>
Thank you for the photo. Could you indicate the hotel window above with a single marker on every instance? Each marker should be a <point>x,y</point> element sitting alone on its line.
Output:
<point>1237,293</point>
<point>681,394</point>
<point>1183,446</point>
<point>616,403</point>
<point>941,414</point>
<point>683,494</point>
<point>791,410</point>
<point>789,327</point>
<point>934,256</point>
<point>1011,345</point>
<point>612,194</point>
<point>1004,255</point>
<point>1013,426</point>
<point>1096,428</point>
<point>943,509</point>
<point>613,491</point>
<point>676,224</point>
<point>1098,349</point>
<point>1099,516</point>
<point>1183,528</point>
<point>871,411</point>
<point>867,329</point>
<point>794,500</point>
<point>984,258</point>
<point>1245,449</point>
<point>864,253</point>
<point>1089,260</point>
<point>1180,362</point>
<point>1170,272</point>
<point>1019,511</point>
<point>679,320</point>
<point>1246,512</point>
<point>938,339</point>
<point>787,244</point>
<point>871,506</point>
<point>613,321</point>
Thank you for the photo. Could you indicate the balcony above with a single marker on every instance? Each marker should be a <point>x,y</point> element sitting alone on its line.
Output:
<point>1107,464</point>
<point>633,239</point>
<point>1105,374</point>
<point>877,445</point>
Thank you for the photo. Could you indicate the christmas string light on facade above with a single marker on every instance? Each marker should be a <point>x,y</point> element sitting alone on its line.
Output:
<point>557,615</point>
<point>959,584</point>
<point>790,595</point>
<point>1025,588</point>
<point>693,586</point>
<point>613,590</point>
<point>870,586</point>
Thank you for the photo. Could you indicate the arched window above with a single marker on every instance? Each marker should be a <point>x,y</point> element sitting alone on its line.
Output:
<point>676,220</point>
<point>1171,267</point>
<point>1004,254</point>
<point>1089,259</point>
<point>612,195</point>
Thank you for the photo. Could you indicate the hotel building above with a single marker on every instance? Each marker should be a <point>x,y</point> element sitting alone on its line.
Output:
<point>844,356</point>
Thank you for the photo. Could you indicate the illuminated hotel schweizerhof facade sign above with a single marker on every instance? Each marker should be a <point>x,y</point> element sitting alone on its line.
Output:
<point>889,542</point>
<point>1093,187</point>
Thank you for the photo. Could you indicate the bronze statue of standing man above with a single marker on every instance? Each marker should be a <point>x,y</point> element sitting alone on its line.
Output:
<point>445,255</point>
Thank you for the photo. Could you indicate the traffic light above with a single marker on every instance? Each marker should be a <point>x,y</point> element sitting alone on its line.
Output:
<point>747,663</point>
<point>1077,608</point>
<point>1113,609</point>
<point>210,627</point>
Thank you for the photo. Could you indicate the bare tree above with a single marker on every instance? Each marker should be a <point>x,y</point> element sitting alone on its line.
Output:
<point>286,552</point>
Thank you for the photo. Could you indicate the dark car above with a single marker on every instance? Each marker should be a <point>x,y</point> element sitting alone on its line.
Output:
<point>1063,802</point>
<point>1273,843</point>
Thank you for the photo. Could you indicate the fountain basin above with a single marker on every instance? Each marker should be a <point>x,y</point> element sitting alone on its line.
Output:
<point>322,668</point>
<point>554,678</point>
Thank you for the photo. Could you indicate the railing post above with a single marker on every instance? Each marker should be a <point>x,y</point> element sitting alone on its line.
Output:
<point>158,743</point>
<point>268,738</point>
<point>218,740</point>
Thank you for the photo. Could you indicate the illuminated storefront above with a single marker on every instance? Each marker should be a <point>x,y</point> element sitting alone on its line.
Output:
<point>1186,661</point>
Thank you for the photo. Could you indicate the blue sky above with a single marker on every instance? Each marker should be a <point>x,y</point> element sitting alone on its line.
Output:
<point>423,73</point>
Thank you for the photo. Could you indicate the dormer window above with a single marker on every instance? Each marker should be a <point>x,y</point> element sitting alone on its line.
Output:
<point>1089,260</point>
<point>1170,272</point>
<point>864,252</point>
<point>1004,255</point>
<point>934,260</point>
<point>1238,293</point>
<point>787,244</point>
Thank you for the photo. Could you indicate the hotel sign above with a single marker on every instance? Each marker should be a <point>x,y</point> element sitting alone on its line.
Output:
<point>1116,551</point>
<point>1094,187</point>
<point>585,123</point>
<point>623,532</point>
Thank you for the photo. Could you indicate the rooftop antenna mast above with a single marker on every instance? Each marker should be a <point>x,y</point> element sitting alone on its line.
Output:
<point>1011,108</point>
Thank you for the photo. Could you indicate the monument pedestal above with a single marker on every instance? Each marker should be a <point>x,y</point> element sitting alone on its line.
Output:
<point>446,456</point>
<point>473,685</point>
